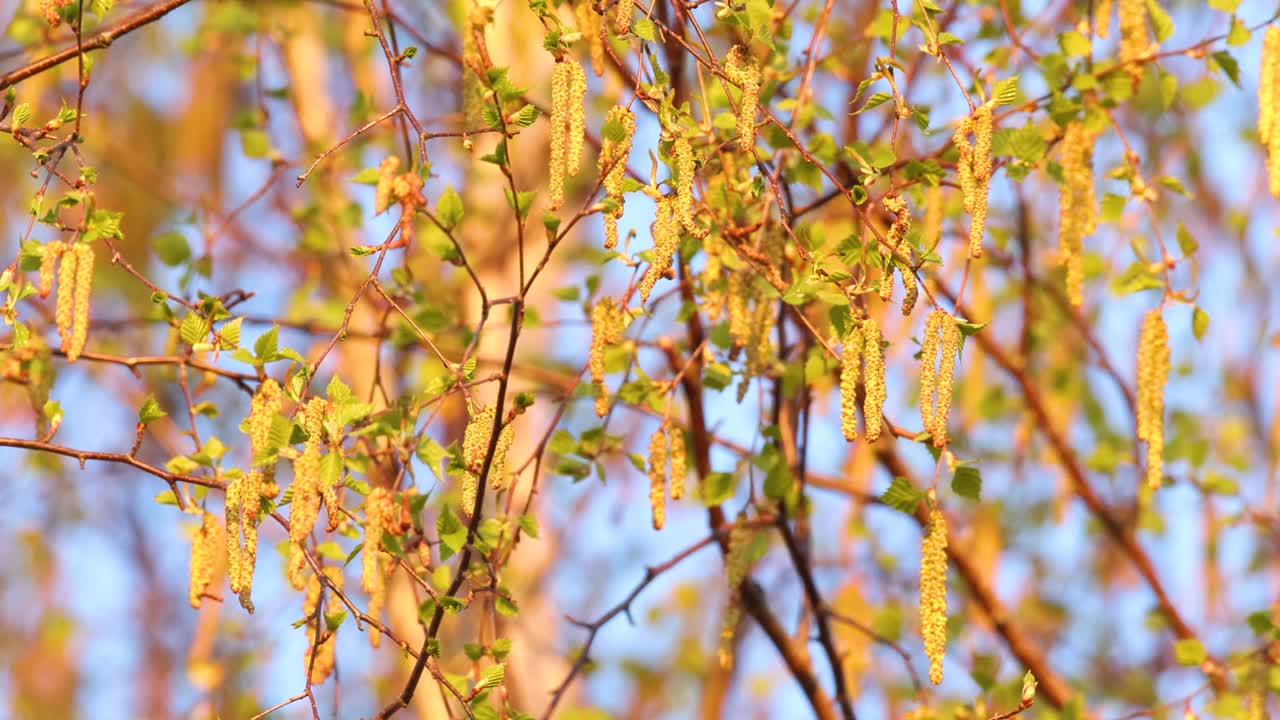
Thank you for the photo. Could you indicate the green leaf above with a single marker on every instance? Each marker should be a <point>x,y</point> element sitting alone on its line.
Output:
<point>520,203</point>
<point>967,482</point>
<point>717,488</point>
<point>1239,34</point>
<point>492,677</point>
<point>1005,92</point>
<point>1161,23</point>
<point>526,116</point>
<point>194,329</point>
<point>1074,44</point>
<point>255,143</point>
<point>449,208</point>
<point>644,29</point>
<point>1227,6</point>
<point>453,534</point>
<point>902,496</point>
<point>1189,652</point>
<point>1186,241</point>
<point>166,498</point>
<point>171,247</point>
<point>1227,62</point>
<point>1199,322</point>
<point>150,411</point>
<point>367,176</point>
<point>264,348</point>
<point>874,101</point>
<point>1112,207</point>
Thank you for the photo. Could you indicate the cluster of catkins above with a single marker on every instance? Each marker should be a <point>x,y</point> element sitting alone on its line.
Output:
<point>475,444</point>
<point>73,265</point>
<point>319,658</point>
<point>862,345</point>
<point>896,239</point>
<point>667,458</point>
<point>973,169</point>
<point>938,353</point>
<point>246,493</point>
<point>568,125</point>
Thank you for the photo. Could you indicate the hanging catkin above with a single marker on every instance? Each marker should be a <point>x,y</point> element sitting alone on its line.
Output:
<point>1077,205</point>
<point>615,148</point>
<point>1268,103</point>
<point>1153,373</point>
<point>741,69</point>
<point>938,353</point>
<point>666,240</point>
<point>568,90</point>
<point>874,390</point>
<point>933,592</point>
<point>850,370</point>
<point>1134,42</point>
<point>973,170</point>
<point>658,476</point>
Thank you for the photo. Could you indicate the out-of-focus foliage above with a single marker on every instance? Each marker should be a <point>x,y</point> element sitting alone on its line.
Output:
<point>830,358</point>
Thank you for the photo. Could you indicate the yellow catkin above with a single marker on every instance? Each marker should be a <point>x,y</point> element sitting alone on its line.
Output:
<point>679,463</point>
<point>475,439</point>
<point>741,69</point>
<point>244,496</point>
<point>685,171</point>
<point>973,170</point>
<point>204,553</point>
<point>732,614</point>
<point>64,308</point>
<point>470,491</point>
<point>741,289</point>
<point>658,476</point>
<point>850,371</point>
<point>48,264</point>
<point>1268,103</point>
<point>933,593</point>
<point>1102,18</point>
<point>737,563</point>
<point>612,163</point>
<point>83,290</point>
<point>577,123</point>
<point>1077,206</point>
<point>589,26</point>
<point>950,340</point>
<point>929,346</point>
<point>666,240</point>
<point>1135,44</point>
<point>305,507</point>
<point>622,16</point>
<point>982,131</point>
<point>874,392</point>
<point>386,178</point>
<point>498,470</point>
<point>380,513</point>
<point>896,239</point>
<point>1153,373</point>
<point>606,330</point>
<point>911,291</point>
<point>560,86</point>
<point>321,666</point>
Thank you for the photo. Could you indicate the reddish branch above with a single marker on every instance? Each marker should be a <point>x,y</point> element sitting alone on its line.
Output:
<point>97,41</point>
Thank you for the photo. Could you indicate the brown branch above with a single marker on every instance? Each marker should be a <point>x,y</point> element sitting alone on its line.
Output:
<point>86,455</point>
<point>97,41</point>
